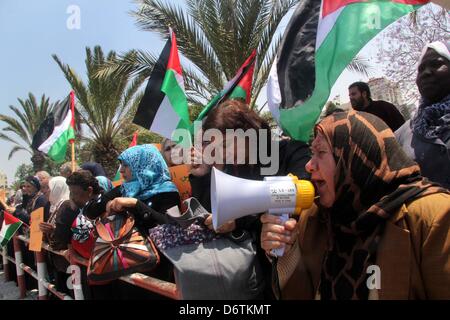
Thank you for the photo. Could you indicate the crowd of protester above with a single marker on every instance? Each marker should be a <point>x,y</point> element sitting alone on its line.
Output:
<point>383,199</point>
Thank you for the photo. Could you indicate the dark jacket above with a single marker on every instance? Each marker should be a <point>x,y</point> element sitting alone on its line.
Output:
<point>147,213</point>
<point>40,202</point>
<point>61,236</point>
<point>387,112</point>
<point>293,157</point>
<point>433,157</point>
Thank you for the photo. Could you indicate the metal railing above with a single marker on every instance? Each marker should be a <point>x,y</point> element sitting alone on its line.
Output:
<point>163,288</point>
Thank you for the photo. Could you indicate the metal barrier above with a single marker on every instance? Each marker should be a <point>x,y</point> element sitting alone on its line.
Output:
<point>163,288</point>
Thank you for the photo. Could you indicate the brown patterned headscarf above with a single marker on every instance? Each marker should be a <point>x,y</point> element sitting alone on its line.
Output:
<point>374,178</point>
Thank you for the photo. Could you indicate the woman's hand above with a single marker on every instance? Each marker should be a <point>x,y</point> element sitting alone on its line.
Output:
<point>66,254</point>
<point>225,228</point>
<point>274,235</point>
<point>46,227</point>
<point>11,209</point>
<point>120,204</point>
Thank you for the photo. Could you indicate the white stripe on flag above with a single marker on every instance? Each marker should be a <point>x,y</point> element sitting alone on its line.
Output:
<point>325,26</point>
<point>2,232</point>
<point>166,119</point>
<point>57,132</point>
<point>180,80</point>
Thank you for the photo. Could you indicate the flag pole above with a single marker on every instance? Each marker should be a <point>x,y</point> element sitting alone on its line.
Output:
<point>73,156</point>
<point>72,141</point>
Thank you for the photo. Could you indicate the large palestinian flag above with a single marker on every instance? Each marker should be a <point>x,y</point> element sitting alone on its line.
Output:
<point>57,130</point>
<point>164,106</point>
<point>9,227</point>
<point>240,87</point>
<point>320,41</point>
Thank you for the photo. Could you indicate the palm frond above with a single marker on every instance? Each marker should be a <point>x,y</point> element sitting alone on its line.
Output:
<point>15,149</point>
<point>360,65</point>
<point>157,16</point>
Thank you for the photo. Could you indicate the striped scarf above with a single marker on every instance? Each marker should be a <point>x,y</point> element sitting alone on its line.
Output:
<point>374,178</point>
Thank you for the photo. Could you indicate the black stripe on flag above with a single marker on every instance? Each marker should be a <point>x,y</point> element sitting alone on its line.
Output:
<point>296,56</point>
<point>153,96</point>
<point>54,119</point>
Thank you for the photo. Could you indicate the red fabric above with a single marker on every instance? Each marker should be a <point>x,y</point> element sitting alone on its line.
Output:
<point>85,248</point>
<point>247,79</point>
<point>174,59</point>
<point>9,218</point>
<point>330,6</point>
<point>134,141</point>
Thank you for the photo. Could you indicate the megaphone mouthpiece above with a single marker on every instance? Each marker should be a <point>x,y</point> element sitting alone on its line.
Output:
<point>233,198</point>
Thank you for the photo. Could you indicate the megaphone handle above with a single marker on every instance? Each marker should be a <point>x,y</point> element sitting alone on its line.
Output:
<point>279,252</point>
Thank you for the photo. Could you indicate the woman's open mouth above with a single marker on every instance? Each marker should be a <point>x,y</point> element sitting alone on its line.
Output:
<point>318,184</point>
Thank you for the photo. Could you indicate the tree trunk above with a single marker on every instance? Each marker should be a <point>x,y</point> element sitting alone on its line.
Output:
<point>38,160</point>
<point>107,157</point>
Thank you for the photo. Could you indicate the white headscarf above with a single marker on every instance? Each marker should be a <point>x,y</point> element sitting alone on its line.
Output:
<point>59,192</point>
<point>441,47</point>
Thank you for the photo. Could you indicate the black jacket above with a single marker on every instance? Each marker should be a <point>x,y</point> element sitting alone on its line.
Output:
<point>147,213</point>
<point>293,157</point>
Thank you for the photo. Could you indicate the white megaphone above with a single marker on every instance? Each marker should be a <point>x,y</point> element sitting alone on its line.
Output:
<point>233,197</point>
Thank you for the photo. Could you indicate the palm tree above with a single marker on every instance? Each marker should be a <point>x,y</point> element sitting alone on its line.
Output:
<point>216,36</point>
<point>24,125</point>
<point>104,104</point>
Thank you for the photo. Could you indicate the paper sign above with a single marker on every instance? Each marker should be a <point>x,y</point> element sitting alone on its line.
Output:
<point>3,195</point>
<point>180,177</point>
<point>37,217</point>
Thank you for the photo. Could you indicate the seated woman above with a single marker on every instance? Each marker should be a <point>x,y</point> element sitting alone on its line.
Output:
<point>147,191</point>
<point>379,231</point>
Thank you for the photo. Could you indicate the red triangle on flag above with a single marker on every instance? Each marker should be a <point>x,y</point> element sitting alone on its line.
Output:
<point>10,219</point>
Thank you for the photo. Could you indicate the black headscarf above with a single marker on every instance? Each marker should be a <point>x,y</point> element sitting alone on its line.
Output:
<point>33,181</point>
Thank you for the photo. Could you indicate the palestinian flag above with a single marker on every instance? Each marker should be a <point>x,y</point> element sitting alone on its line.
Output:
<point>320,41</point>
<point>118,178</point>
<point>9,227</point>
<point>57,130</point>
<point>240,87</point>
<point>164,106</point>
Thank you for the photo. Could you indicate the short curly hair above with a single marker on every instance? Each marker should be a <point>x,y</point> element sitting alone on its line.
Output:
<point>84,179</point>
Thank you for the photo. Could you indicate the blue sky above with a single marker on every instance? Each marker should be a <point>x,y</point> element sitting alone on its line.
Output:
<point>31,31</point>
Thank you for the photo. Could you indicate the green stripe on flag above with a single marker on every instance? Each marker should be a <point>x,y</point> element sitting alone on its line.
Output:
<point>8,232</point>
<point>58,150</point>
<point>238,93</point>
<point>177,97</point>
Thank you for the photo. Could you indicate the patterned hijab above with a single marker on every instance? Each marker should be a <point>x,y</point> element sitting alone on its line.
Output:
<point>150,175</point>
<point>104,183</point>
<point>374,178</point>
